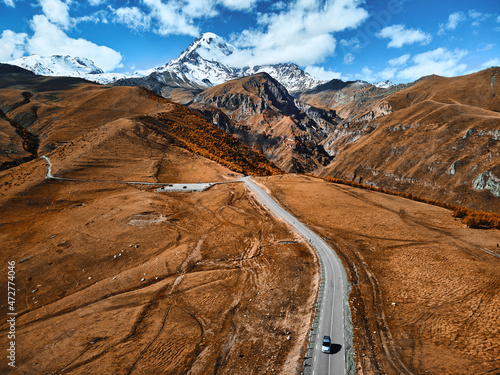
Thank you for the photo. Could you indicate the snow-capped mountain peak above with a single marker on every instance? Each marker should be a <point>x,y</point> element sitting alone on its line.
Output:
<point>204,63</point>
<point>383,84</point>
<point>65,66</point>
<point>57,65</point>
<point>210,47</point>
<point>289,75</point>
<point>201,62</point>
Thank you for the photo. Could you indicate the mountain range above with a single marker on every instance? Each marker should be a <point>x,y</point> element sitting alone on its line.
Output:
<point>65,66</point>
<point>436,137</point>
<point>200,65</point>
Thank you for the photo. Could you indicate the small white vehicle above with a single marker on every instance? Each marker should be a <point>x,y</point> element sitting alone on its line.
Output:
<point>327,343</point>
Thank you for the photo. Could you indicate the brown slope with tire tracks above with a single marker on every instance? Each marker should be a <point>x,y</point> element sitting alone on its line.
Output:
<point>425,288</point>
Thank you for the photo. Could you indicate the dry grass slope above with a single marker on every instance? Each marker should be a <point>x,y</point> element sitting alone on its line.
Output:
<point>471,218</point>
<point>186,129</point>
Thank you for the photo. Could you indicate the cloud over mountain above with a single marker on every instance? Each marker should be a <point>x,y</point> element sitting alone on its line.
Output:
<point>302,32</point>
<point>400,36</point>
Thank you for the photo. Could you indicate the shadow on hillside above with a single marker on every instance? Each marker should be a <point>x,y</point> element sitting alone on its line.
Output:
<point>13,77</point>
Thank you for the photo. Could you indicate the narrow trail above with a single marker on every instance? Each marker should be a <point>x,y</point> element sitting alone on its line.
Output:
<point>162,186</point>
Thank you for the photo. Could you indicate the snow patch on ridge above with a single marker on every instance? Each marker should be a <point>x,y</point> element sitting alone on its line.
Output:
<point>65,66</point>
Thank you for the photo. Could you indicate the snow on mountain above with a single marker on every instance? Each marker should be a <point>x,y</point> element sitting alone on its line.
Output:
<point>383,84</point>
<point>289,75</point>
<point>380,85</point>
<point>65,66</point>
<point>202,62</point>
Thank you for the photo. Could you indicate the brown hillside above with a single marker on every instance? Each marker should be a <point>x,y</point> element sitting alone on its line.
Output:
<point>441,141</point>
<point>116,278</point>
<point>55,118</point>
<point>478,90</point>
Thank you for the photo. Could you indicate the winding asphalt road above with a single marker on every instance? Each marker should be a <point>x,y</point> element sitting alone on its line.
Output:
<point>331,314</point>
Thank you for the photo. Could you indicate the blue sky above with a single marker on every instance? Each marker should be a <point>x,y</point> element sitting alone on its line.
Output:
<point>400,40</point>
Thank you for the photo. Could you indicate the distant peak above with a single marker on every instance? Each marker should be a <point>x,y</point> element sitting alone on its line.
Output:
<point>209,46</point>
<point>383,84</point>
<point>57,65</point>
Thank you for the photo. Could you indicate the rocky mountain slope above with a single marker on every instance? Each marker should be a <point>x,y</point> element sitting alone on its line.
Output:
<point>352,99</point>
<point>261,112</point>
<point>438,138</point>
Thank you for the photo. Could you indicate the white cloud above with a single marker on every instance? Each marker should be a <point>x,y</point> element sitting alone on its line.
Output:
<point>353,42</point>
<point>388,73</point>
<point>49,39</point>
<point>9,3</point>
<point>400,36</point>
<point>95,2</point>
<point>56,11</point>
<point>475,14</point>
<point>302,33</point>
<point>348,59</point>
<point>490,63</point>
<point>178,17</point>
<point>238,4</point>
<point>367,75</point>
<point>170,18</point>
<point>12,45</point>
<point>320,73</point>
<point>280,5</point>
<point>453,20</point>
<point>440,61</point>
<point>132,17</point>
<point>485,47</point>
<point>99,16</point>
<point>401,60</point>
<point>498,19</point>
<point>478,16</point>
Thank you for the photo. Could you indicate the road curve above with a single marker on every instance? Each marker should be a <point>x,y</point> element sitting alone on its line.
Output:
<point>332,312</point>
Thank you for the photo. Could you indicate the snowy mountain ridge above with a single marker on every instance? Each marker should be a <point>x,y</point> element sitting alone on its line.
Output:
<point>66,66</point>
<point>201,64</point>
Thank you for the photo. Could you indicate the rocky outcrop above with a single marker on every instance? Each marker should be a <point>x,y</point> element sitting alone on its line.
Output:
<point>487,181</point>
<point>352,100</point>
<point>379,110</point>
